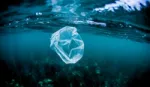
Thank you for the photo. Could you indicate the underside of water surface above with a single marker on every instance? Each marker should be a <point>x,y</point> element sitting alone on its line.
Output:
<point>116,36</point>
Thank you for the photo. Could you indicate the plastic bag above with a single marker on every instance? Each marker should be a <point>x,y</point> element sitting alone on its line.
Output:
<point>68,44</point>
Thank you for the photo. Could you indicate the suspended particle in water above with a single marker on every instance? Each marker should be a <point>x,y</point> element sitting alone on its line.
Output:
<point>38,13</point>
<point>68,44</point>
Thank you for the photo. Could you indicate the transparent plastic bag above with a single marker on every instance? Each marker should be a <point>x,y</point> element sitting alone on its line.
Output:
<point>68,44</point>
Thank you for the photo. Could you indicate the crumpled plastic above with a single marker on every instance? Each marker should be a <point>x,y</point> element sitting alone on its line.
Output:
<point>68,44</point>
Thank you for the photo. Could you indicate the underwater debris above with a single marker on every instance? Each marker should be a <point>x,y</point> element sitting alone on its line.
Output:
<point>68,44</point>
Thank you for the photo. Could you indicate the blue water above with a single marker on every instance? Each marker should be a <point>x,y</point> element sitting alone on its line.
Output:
<point>116,54</point>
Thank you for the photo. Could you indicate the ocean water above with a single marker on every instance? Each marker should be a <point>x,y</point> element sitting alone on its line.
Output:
<point>116,37</point>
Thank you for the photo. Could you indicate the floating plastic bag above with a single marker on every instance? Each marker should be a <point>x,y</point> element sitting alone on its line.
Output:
<point>68,44</point>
